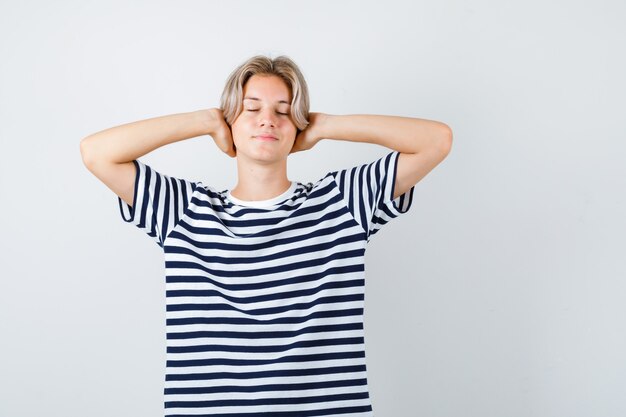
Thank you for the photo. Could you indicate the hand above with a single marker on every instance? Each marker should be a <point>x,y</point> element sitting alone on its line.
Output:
<point>219,130</point>
<point>307,138</point>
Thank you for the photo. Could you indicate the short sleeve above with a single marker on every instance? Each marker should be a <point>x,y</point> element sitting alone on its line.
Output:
<point>159,202</point>
<point>368,192</point>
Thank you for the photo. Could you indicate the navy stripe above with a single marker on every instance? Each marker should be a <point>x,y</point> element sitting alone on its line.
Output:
<point>268,310</point>
<point>266,335</point>
<point>272,348</point>
<point>299,413</point>
<point>268,401</point>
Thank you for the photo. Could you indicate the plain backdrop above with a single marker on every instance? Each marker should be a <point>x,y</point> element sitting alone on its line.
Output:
<point>501,292</point>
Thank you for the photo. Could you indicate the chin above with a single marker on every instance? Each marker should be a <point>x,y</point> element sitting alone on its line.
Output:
<point>262,156</point>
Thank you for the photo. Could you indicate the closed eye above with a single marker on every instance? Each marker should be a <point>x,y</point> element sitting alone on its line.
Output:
<point>283,114</point>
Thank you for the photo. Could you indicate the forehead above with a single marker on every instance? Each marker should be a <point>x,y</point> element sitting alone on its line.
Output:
<point>266,88</point>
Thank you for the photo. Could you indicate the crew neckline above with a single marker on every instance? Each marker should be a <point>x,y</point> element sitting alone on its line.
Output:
<point>264,203</point>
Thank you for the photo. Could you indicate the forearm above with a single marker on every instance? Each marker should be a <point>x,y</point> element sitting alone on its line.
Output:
<point>132,140</point>
<point>403,134</point>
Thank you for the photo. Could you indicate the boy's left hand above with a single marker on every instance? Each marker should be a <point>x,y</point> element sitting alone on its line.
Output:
<point>307,138</point>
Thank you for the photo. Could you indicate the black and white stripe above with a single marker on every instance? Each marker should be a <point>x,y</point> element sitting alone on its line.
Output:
<point>264,305</point>
<point>368,191</point>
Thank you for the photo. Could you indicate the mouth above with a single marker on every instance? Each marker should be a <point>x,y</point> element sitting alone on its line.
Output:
<point>266,137</point>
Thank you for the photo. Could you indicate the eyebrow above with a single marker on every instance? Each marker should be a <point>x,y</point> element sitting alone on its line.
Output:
<point>257,99</point>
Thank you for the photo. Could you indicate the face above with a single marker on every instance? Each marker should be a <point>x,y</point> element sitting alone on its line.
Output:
<point>266,111</point>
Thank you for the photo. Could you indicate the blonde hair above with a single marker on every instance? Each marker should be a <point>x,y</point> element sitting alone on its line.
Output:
<point>281,66</point>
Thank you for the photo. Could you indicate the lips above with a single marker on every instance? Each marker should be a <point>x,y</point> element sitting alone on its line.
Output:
<point>266,137</point>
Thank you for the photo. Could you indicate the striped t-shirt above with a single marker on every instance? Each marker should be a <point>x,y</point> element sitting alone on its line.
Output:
<point>265,299</point>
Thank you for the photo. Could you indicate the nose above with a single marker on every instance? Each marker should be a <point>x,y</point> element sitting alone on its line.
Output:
<point>267,117</point>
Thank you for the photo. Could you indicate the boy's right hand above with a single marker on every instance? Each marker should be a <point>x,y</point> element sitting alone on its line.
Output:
<point>221,133</point>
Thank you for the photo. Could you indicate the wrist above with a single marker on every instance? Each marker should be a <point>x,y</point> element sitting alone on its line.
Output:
<point>207,120</point>
<point>322,124</point>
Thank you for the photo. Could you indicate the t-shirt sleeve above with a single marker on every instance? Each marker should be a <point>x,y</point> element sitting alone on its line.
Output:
<point>368,189</point>
<point>159,202</point>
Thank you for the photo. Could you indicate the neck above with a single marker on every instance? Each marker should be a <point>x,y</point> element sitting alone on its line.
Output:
<point>260,180</point>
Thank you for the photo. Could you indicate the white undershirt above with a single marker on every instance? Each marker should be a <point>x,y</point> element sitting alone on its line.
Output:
<point>264,203</point>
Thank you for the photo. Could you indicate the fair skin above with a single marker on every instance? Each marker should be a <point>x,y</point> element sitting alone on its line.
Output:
<point>422,143</point>
<point>262,165</point>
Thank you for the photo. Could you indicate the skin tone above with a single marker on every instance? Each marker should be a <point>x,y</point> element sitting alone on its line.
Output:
<point>262,163</point>
<point>262,166</point>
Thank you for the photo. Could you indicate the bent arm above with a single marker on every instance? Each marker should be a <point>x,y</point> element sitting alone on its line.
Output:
<point>403,134</point>
<point>422,143</point>
<point>130,141</point>
<point>108,154</point>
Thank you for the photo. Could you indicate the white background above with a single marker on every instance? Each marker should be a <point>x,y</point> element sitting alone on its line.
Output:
<point>501,293</point>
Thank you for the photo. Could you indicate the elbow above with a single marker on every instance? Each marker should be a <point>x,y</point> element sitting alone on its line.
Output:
<point>85,152</point>
<point>445,139</point>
